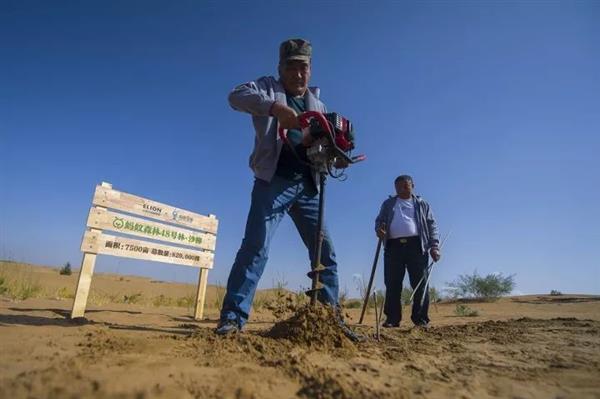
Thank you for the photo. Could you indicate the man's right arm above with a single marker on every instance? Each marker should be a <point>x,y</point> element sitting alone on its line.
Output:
<point>380,228</point>
<point>254,98</point>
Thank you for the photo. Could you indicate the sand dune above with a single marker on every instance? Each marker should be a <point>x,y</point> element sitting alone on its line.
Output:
<point>520,347</point>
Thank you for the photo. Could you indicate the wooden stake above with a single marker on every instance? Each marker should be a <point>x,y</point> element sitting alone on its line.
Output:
<point>83,286</point>
<point>201,294</point>
<point>377,315</point>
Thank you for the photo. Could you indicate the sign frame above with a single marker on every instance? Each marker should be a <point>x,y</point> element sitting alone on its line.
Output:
<point>193,234</point>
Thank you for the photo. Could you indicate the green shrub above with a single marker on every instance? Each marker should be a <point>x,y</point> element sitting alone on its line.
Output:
<point>343,295</point>
<point>162,300</point>
<point>66,269</point>
<point>26,289</point>
<point>280,283</point>
<point>465,311</point>
<point>187,301</point>
<point>219,295</point>
<point>490,287</point>
<point>299,297</point>
<point>434,295</point>
<point>3,289</point>
<point>64,293</point>
<point>133,298</point>
<point>352,303</point>
<point>380,294</point>
<point>19,286</point>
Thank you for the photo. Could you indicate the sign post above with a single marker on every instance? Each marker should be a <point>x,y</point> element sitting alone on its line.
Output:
<point>191,238</point>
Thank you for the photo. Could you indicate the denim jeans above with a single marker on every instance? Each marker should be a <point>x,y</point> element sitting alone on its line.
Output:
<point>270,201</point>
<point>398,258</point>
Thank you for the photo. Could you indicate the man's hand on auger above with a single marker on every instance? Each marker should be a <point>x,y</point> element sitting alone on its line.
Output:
<point>380,232</point>
<point>287,117</point>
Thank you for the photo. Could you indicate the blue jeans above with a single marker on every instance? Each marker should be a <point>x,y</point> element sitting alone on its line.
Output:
<point>270,201</point>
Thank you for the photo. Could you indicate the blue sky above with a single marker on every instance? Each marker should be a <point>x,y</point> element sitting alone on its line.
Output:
<point>493,107</point>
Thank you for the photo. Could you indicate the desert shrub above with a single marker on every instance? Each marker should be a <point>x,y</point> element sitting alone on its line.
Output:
<point>64,293</point>
<point>99,297</point>
<point>380,294</point>
<point>280,283</point>
<point>188,301</point>
<point>66,270</point>
<point>300,297</point>
<point>352,303</point>
<point>434,295</point>
<point>27,290</point>
<point>162,300</point>
<point>219,295</point>
<point>490,287</point>
<point>555,293</point>
<point>133,298</point>
<point>361,285</point>
<point>465,311</point>
<point>19,286</point>
<point>344,295</point>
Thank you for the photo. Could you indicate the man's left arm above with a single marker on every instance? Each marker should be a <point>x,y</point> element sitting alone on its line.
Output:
<point>434,239</point>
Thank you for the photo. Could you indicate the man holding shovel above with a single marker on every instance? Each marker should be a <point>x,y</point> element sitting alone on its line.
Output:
<point>407,227</point>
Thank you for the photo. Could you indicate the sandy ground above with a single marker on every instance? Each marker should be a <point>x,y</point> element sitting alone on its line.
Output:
<point>521,347</point>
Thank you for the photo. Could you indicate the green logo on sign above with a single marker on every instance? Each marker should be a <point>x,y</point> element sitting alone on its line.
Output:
<point>118,223</point>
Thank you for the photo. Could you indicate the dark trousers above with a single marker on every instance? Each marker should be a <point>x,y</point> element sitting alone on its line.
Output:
<point>403,254</point>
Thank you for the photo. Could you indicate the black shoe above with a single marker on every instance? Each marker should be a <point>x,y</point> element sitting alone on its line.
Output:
<point>387,324</point>
<point>227,327</point>
<point>422,326</point>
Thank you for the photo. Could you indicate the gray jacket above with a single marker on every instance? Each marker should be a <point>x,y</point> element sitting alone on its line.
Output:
<point>426,224</point>
<point>257,98</point>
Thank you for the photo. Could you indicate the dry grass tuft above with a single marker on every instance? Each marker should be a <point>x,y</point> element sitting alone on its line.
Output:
<point>19,284</point>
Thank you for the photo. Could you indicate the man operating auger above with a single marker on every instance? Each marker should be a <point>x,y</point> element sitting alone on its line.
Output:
<point>284,183</point>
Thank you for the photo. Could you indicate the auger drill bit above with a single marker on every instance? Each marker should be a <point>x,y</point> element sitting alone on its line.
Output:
<point>317,267</point>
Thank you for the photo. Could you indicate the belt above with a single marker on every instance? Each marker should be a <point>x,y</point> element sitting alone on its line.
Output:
<point>404,240</point>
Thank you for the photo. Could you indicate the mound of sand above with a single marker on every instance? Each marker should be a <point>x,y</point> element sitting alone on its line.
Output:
<point>313,327</point>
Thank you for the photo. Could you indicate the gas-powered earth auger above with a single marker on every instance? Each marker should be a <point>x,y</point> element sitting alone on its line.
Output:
<point>328,154</point>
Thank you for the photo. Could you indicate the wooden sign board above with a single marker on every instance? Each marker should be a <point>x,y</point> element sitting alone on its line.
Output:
<point>100,243</point>
<point>102,219</point>
<point>108,198</point>
<point>192,237</point>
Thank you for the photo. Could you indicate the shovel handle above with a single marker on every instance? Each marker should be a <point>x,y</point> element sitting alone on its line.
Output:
<point>366,301</point>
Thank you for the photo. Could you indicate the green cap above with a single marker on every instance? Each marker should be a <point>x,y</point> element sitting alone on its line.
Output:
<point>295,49</point>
